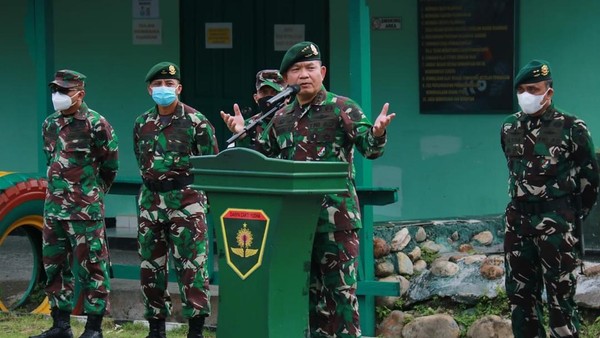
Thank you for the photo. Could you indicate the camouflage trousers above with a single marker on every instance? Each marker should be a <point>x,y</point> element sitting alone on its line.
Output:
<point>167,226</point>
<point>84,241</point>
<point>333,306</point>
<point>535,263</point>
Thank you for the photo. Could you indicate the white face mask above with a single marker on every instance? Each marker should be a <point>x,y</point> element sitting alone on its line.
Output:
<point>62,101</point>
<point>530,104</point>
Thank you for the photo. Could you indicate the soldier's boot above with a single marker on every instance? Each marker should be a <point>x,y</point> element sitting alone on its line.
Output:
<point>157,328</point>
<point>61,325</point>
<point>196,327</point>
<point>93,327</point>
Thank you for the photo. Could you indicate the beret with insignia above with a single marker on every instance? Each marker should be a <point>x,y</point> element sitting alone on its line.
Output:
<point>302,51</point>
<point>533,72</point>
<point>67,78</point>
<point>163,70</point>
<point>271,78</point>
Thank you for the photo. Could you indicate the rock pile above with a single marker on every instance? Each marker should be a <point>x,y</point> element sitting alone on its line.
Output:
<point>459,259</point>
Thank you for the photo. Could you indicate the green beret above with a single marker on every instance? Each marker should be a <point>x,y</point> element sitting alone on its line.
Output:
<point>163,70</point>
<point>67,78</point>
<point>534,71</point>
<point>271,78</point>
<point>302,51</point>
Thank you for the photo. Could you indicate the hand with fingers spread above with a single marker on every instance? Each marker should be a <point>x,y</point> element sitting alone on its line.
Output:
<point>235,123</point>
<point>383,120</point>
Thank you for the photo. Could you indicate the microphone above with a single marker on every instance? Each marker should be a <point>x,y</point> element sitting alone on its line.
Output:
<point>287,92</point>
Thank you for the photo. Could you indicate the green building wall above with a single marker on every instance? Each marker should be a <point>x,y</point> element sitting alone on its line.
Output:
<point>452,165</point>
<point>444,165</point>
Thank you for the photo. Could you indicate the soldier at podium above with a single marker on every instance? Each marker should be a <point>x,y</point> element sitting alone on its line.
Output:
<point>321,126</point>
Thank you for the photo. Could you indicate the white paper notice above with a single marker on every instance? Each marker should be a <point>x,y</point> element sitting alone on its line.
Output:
<point>147,32</point>
<point>285,36</point>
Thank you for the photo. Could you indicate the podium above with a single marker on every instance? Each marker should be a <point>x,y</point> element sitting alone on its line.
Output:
<point>265,213</point>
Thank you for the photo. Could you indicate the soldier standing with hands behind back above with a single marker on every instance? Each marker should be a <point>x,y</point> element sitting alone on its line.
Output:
<point>82,155</point>
<point>172,214</point>
<point>321,126</point>
<point>553,184</point>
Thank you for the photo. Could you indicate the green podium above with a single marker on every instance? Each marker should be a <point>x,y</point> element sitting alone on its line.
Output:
<point>265,213</point>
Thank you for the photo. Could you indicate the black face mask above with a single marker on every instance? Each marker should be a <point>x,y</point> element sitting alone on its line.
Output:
<point>262,104</point>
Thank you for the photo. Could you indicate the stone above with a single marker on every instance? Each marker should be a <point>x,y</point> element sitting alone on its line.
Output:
<point>405,265</point>
<point>384,268</point>
<point>484,238</point>
<point>492,267</point>
<point>415,254</point>
<point>494,260</point>
<point>419,266</point>
<point>457,257</point>
<point>491,326</point>
<point>491,271</point>
<point>455,236</point>
<point>588,292</point>
<point>473,259</point>
<point>591,271</point>
<point>400,240</point>
<point>438,326</point>
<point>443,268</point>
<point>465,248</point>
<point>420,235</point>
<point>380,247</point>
<point>391,326</point>
<point>390,301</point>
<point>431,246</point>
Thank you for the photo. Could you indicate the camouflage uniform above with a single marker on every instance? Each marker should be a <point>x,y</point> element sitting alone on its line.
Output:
<point>172,215</point>
<point>249,140</point>
<point>328,129</point>
<point>270,78</point>
<point>82,157</point>
<point>551,164</point>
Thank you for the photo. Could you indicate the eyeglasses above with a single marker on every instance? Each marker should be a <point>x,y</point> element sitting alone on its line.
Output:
<point>62,90</point>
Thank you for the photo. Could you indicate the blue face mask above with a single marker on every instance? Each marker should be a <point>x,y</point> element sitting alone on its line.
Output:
<point>164,96</point>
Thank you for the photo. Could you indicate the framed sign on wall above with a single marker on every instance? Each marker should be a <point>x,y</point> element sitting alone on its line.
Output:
<point>466,56</point>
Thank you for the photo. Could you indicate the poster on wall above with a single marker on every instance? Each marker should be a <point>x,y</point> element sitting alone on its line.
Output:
<point>144,9</point>
<point>218,35</point>
<point>285,36</point>
<point>147,32</point>
<point>466,56</point>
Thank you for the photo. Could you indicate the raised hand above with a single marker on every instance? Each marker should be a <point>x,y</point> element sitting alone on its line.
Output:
<point>382,121</point>
<point>235,123</point>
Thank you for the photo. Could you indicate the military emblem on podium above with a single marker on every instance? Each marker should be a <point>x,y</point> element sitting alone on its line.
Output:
<point>245,234</point>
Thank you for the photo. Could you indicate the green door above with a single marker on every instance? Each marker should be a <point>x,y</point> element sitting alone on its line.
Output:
<point>215,78</point>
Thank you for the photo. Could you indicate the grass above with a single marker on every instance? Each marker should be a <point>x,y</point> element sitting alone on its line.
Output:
<point>24,325</point>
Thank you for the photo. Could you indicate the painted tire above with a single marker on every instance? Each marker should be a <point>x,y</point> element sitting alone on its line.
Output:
<point>22,207</point>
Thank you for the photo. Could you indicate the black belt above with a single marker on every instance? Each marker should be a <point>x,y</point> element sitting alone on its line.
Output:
<point>539,207</point>
<point>176,183</point>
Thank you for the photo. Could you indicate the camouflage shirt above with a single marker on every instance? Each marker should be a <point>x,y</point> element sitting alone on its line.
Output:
<point>82,157</point>
<point>163,145</point>
<point>249,140</point>
<point>327,129</point>
<point>549,157</point>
